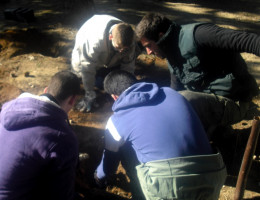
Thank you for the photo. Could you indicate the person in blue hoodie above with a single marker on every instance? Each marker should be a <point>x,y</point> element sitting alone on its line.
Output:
<point>38,148</point>
<point>174,157</point>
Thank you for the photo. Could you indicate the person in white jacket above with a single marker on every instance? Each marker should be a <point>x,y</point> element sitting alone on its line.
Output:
<point>102,41</point>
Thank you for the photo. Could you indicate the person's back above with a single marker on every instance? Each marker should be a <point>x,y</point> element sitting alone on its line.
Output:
<point>176,160</point>
<point>162,115</point>
<point>38,149</point>
<point>92,34</point>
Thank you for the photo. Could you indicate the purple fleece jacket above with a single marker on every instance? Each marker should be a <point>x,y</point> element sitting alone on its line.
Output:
<point>38,151</point>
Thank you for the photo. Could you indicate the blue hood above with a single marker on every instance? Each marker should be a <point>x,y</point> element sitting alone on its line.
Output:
<point>137,95</point>
<point>25,112</point>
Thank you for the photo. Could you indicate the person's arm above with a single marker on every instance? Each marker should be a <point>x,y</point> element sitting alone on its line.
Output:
<point>110,158</point>
<point>89,62</point>
<point>86,57</point>
<point>62,168</point>
<point>212,36</point>
<point>108,166</point>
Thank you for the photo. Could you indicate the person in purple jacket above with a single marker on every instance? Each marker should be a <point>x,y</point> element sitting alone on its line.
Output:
<point>38,148</point>
<point>174,157</point>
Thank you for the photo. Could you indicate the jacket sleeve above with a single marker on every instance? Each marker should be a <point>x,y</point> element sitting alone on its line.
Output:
<point>85,60</point>
<point>62,168</point>
<point>108,165</point>
<point>110,159</point>
<point>113,140</point>
<point>213,36</point>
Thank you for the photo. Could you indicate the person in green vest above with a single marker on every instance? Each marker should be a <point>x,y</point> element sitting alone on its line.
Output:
<point>205,65</point>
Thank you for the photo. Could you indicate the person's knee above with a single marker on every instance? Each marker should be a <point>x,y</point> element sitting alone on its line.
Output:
<point>187,94</point>
<point>234,111</point>
<point>196,97</point>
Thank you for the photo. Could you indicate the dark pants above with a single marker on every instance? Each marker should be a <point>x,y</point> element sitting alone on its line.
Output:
<point>214,110</point>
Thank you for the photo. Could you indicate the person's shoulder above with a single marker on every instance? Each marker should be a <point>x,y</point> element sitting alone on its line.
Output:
<point>193,25</point>
<point>62,135</point>
<point>104,16</point>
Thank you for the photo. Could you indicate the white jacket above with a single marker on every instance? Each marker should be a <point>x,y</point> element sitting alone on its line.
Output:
<point>94,50</point>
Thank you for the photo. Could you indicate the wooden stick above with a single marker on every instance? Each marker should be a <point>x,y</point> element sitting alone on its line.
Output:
<point>247,159</point>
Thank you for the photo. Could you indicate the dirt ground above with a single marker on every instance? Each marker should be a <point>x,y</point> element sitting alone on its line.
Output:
<point>31,52</point>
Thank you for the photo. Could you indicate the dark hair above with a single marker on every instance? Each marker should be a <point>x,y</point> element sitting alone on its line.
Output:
<point>116,82</point>
<point>64,84</point>
<point>151,25</point>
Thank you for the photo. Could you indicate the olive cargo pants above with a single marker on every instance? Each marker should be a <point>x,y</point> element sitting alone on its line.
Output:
<point>184,178</point>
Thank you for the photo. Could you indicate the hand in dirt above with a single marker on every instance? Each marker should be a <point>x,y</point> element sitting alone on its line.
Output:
<point>86,103</point>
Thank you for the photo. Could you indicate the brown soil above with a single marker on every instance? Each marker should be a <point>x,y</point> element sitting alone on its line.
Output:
<point>30,53</point>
